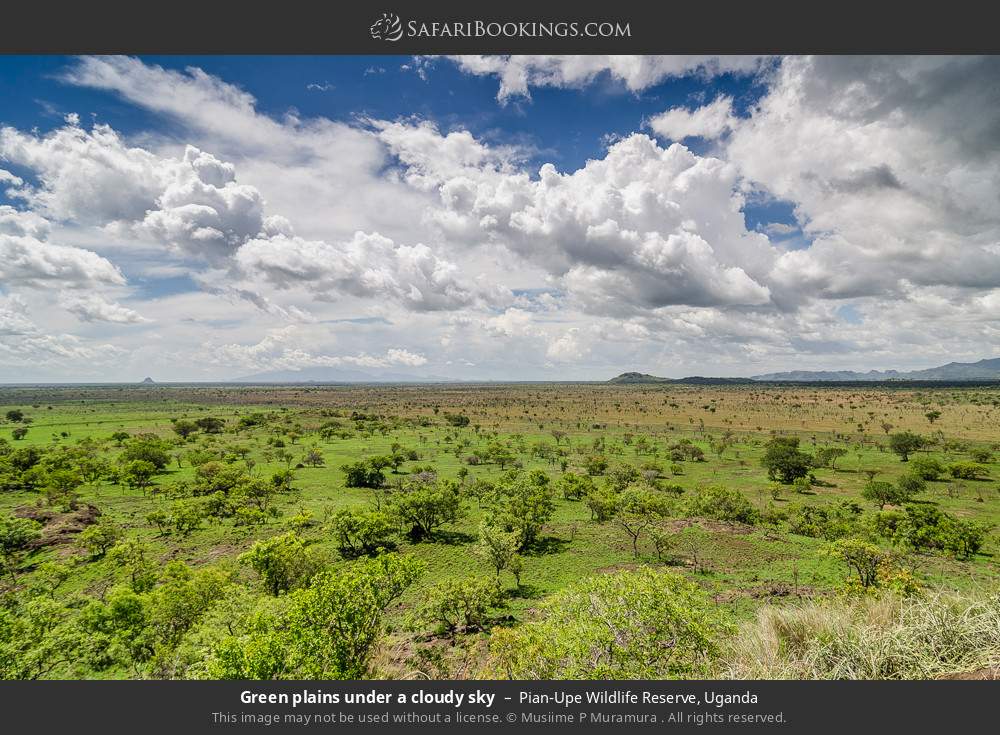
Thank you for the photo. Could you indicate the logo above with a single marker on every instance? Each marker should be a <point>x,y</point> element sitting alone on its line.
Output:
<point>387,28</point>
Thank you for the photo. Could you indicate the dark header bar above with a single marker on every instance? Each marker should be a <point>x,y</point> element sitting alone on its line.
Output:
<point>514,26</point>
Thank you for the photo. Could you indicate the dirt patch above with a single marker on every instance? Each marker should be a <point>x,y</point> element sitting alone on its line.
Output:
<point>987,674</point>
<point>708,524</point>
<point>59,528</point>
<point>767,591</point>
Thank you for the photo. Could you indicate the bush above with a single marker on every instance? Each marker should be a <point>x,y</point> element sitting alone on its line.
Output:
<point>326,631</point>
<point>98,537</point>
<point>968,471</point>
<point>641,624</point>
<point>521,505</point>
<point>722,504</point>
<point>927,468</point>
<point>459,603</point>
<point>283,562</point>
<point>928,528</point>
<point>574,486</point>
<point>362,532</point>
<point>366,473</point>
<point>905,443</point>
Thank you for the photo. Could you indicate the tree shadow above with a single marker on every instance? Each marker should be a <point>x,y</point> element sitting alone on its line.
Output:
<point>545,545</point>
<point>451,538</point>
<point>526,592</point>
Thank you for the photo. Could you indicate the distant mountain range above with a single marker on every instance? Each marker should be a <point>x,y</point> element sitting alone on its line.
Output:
<point>982,370</point>
<point>954,371</point>
<point>335,375</point>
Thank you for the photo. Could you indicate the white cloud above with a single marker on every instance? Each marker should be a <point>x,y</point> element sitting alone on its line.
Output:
<point>284,349</point>
<point>892,163</point>
<point>27,259</point>
<point>642,228</point>
<point>24,345</point>
<point>367,266</point>
<point>95,308</point>
<point>518,73</point>
<point>708,121</point>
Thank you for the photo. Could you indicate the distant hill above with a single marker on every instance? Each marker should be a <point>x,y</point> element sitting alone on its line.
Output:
<point>644,378</point>
<point>148,381</point>
<point>639,378</point>
<point>954,371</point>
<point>988,369</point>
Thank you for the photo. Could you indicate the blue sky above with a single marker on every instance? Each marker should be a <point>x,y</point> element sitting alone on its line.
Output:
<point>223,216</point>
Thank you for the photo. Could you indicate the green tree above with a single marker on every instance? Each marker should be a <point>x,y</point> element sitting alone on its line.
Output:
<point>283,562</point>
<point>905,443</point>
<point>362,532</point>
<point>16,534</point>
<point>98,537</point>
<point>427,507</point>
<point>451,604</point>
<point>326,631</point>
<point>722,504</point>
<point>928,468</point>
<point>184,428</point>
<point>640,624</point>
<point>784,461</point>
<point>637,510</point>
<point>497,547</point>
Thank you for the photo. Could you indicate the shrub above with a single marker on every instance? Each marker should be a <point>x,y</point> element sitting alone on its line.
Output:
<point>521,505</point>
<point>905,443</point>
<point>927,468</point>
<point>98,537</point>
<point>283,562</point>
<point>574,486</point>
<point>361,532</point>
<point>722,504</point>
<point>425,508</point>
<point>641,624</point>
<point>459,603</point>
<point>968,470</point>
<point>365,473</point>
<point>327,630</point>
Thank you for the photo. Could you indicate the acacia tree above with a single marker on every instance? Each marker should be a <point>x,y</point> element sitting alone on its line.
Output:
<point>498,547</point>
<point>784,461</point>
<point>905,443</point>
<point>327,630</point>
<point>637,510</point>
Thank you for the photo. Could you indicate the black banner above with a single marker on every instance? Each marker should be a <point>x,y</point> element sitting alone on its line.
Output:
<point>423,706</point>
<point>448,26</point>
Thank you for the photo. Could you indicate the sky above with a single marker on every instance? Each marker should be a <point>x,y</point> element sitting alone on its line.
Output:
<point>495,217</point>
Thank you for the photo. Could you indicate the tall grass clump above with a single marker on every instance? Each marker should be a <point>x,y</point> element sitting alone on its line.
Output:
<point>884,637</point>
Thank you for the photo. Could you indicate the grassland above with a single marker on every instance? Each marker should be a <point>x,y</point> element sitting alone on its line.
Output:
<point>741,567</point>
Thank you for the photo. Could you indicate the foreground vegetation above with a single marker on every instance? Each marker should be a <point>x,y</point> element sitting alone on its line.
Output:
<point>563,531</point>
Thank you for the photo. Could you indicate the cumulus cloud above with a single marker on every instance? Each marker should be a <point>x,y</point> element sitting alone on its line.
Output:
<point>192,204</point>
<point>642,228</point>
<point>28,259</point>
<point>285,349</point>
<point>367,266</point>
<point>95,308</point>
<point>708,121</point>
<point>892,163</point>
<point>24,344</point>
<point>518,73</point>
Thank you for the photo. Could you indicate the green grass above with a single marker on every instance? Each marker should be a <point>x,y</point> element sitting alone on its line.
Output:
<point>741,568</point>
